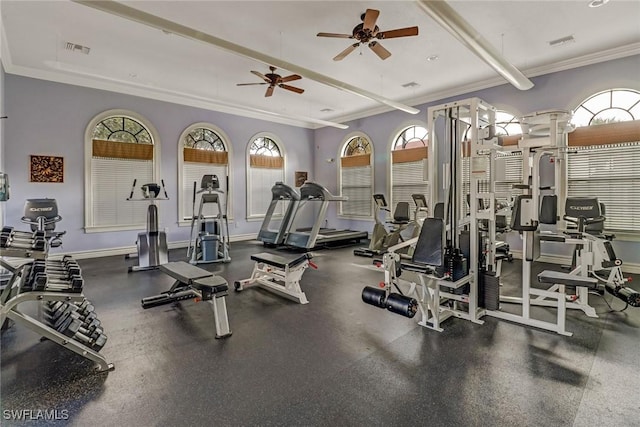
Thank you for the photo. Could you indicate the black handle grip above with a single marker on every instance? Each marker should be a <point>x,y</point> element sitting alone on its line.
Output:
<point>133,186</point>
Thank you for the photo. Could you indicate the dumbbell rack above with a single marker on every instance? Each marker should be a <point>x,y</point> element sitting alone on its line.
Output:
<point>17,291</point>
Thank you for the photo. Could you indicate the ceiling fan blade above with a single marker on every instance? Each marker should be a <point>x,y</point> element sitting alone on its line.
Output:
<point>379,50</point>
<point>250,84</point>
<point>262,76</point>
<point>290,78</point>
<point>269,91</point>
<point>340,36</point>
<point>400,32</point>
<point>291,88</point>
<point>370,18</point>
<point>346,52</point>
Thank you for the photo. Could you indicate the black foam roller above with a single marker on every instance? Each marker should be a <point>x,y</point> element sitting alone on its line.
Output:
<point>624,293</point>
<point>630,296</point>
<point>374,296</point>
<point>403,305</point>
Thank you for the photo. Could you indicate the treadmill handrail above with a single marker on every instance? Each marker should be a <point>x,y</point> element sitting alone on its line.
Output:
<point>314,191</point>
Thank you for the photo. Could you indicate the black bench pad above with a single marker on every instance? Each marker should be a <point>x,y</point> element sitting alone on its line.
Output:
<point>560,278</point>
<point>184,272</point>
<point>279,261</point>
<point>213,283</point>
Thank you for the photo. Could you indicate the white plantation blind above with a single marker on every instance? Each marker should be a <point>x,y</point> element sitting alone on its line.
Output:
<point>193,172</point>
<point>111,181</point>
<point>508,172</point>
<point>262,179</point>
<point>612,174</point>
<point>357,185</point>
<point>408,178</point>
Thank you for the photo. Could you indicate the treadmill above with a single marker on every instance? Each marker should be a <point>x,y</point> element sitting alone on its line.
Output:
<point>313,237</point>
<point>280,192</point>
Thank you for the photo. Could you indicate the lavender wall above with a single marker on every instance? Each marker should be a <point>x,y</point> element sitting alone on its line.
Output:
<point>561,90</point>
<point>50,118</point>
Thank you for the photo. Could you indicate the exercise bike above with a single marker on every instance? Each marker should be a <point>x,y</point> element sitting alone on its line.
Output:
<point>151,244</point>
<point>381,238</point>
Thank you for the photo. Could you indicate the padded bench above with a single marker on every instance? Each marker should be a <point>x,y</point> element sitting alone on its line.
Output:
<point>195,283</point>
<point>278,274</point>
<point>279,261</point>
<point>566,279</point>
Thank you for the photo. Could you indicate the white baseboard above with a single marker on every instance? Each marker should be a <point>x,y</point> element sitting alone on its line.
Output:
<point>125,250</point>
<point>627,267</point>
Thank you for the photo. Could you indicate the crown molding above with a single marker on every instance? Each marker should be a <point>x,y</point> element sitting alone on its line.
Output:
<point>577,62</point>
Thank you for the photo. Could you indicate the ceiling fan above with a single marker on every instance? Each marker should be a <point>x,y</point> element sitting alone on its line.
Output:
<point>368,32</point>
<point>272,79</point>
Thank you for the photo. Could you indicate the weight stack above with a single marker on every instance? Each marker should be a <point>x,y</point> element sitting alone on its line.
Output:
<point>488,291</point>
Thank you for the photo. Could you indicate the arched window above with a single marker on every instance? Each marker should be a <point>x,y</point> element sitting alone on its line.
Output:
<point>604,154</point>
<point>120,146</point>
<point>356,176</point>
<point>266,162</point>
<point>409,165</point>
<point>203,150</point>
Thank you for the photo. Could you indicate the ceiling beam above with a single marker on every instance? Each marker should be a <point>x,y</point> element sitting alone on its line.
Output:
<point>455,24</point>
<point>136,15</point>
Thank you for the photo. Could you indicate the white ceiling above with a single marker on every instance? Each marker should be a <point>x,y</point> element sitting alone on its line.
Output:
<point>133,58</point>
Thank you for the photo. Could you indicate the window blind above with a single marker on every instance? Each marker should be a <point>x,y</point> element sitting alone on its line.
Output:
<point>612,174</point>
<point>356,183</point>
<point>260,182</point>
<point>111,181</point>
<point>408,178</point>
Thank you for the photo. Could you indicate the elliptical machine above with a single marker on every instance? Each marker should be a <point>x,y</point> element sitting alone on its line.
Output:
<point>209,236</point>
<point>381,238</point>
<point>151,244</point>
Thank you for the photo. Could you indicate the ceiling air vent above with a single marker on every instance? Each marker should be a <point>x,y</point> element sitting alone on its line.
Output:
<point>77,48</point>
<point>410,85</point>
<point>561,41</point>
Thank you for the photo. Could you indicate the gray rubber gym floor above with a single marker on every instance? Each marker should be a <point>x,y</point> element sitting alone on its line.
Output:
<point>334,361</point>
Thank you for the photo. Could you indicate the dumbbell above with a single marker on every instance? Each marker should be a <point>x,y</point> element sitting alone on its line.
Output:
<point>66,268</point>
<point>73,329</point>
<point>44,282</point>
<point>22,239</point>
<point>54,311</point>
<point>86,317</point>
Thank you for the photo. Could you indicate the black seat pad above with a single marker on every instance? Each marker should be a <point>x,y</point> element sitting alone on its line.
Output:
<point>215,284</point>
<point>279,261</point>
<point>560,278</point>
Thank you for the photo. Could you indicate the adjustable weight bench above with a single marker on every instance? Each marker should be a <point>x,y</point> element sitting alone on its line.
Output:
<point>278,274</point>
<point>195,283</point>
<point>566,279</point>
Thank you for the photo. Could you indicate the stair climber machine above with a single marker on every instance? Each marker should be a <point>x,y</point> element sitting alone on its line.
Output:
<point>209,236</point>
<point>382,238</point>
<point>289,199</point>
<point>151,244</point>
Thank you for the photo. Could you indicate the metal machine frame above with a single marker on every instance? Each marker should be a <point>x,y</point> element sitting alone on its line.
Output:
<point>281,193</point>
